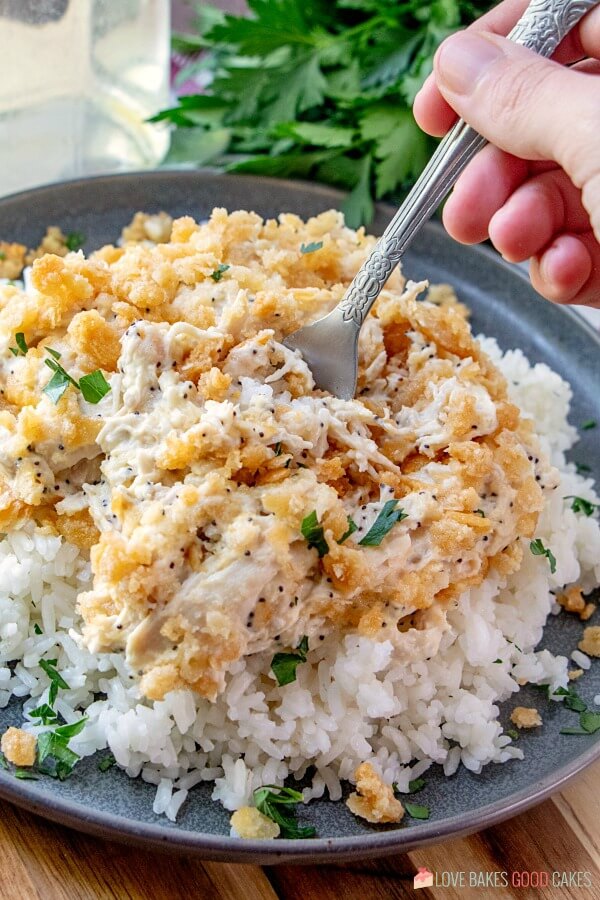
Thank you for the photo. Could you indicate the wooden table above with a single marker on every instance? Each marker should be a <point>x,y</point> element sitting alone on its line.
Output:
<point>42,861</point>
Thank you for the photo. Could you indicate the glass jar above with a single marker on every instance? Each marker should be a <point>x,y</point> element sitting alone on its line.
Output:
<point>78,80</point>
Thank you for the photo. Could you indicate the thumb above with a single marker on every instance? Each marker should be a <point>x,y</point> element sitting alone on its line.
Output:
<point>524,104</point>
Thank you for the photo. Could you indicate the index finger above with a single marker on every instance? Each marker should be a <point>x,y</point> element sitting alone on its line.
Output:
<point>431,110</point>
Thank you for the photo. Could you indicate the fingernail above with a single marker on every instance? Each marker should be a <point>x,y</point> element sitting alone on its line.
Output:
<point>463,59</point>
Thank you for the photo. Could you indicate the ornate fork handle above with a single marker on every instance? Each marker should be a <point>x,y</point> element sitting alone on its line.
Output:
<point>541,28</point>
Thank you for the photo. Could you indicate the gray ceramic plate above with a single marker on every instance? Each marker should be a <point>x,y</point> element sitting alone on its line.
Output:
<point>503,305</point>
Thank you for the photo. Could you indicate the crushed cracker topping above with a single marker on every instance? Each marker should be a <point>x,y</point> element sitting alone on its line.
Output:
<point>590,642</point>
<point>18,746</point>
<point>248,822</point>
<point>525,717</point>
<point>374,800</point>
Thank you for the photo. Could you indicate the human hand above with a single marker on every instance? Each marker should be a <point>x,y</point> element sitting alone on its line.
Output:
<point>535,190</point>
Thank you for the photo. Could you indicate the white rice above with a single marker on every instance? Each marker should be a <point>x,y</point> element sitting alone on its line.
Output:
<point>352,701</point>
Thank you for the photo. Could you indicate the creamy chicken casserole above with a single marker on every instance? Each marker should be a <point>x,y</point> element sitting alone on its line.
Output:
<point>230,506</point>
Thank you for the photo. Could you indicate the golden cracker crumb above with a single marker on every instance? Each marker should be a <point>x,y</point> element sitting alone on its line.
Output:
<point>248,822</point>
<point>525,717</point>
<point>18,746</point>
<point>374,800</point>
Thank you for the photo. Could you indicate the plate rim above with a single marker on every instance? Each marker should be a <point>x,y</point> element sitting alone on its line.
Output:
<point>111,826</point>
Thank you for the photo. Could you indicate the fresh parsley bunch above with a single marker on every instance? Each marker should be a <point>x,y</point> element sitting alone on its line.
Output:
<point>318,89</point>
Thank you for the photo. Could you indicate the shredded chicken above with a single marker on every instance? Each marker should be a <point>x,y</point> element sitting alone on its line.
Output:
<point>525,717</point>
<point>18,746</point>
<point>374,800</point>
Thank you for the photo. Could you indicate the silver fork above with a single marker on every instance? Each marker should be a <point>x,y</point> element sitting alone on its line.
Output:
<point>330,345</point>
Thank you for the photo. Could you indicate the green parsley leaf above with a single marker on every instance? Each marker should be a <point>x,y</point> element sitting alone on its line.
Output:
<point>45,713</point>
<point>582,468</point>
<point>25,775</point>
<point>590,721</point>
<point>21,343</point>
<point>538,549</point>
<point>107,763</point>
<point>61,379</point>
<point>512,733</point>
<point>37,629</point>
<point>3,763</point>
<point>49,667</point>
<point>480,512</point>
<point>284,665</point>
<point>279,805</point>
<point>75,240</point>
<point>219,271</point>
<point>313,532</point>
<point>587,426</point>
<point>384,522</point>
<point>54,756</point>
<point>416,785</point>
<point>56,387</point>
<point>69,731</point>
<point>352,527</point>
<point>94,386</point>
<point>310,248</point>
<point>572,700</point>
<point>416,812</point>
<point>2,255</point>
<point>277,448</point>
<point>580,505</point>
<point>573,731</point>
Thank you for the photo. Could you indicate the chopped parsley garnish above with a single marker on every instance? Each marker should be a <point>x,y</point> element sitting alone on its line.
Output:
<point>313,532</point>
<point>219,271</point>
<point>415,811</point>
<point>513,733</point>
<point>580,505</point>
<point>582,468</point>
<point>45,713</point>
<point>25,775</point>
<point>107,763</point>
<point>54,757</point>
<point>416,785</point>
<point>279,805</point>
<point>94,386</point>
<point>386,519</point>
<point>277,448</point>
<point>310,248</point>
<point>3,763</point>
<point>2,255</point>
<point>588,425</point>
<point>69,731</point>
<point>60,380</point>
<point>538,549</point>
<point>37,629</point>
<point>74,240</point>
<point>352,527</point>
<point>572,700</point>
<point>21,348</point>
<point>589,723</point>
<point>479,512</point>
<point>56,679</point>
<point>284,665</point>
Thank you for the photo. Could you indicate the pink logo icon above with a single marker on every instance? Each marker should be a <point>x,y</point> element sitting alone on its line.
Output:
<point>423,878</point>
